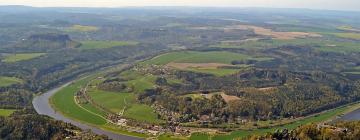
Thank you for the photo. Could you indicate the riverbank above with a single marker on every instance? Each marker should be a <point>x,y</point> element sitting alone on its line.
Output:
<point>62,99</point>
<point>43,106</point>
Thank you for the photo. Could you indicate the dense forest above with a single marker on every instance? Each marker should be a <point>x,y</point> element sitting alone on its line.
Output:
<point>336,131</point>
<point>26,124</point>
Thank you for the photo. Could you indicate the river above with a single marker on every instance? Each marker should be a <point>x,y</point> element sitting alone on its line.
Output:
<point>43,107</point>
<point>352,116</point>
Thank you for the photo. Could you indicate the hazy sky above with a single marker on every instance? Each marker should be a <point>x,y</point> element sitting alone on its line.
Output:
<point>313,4</point>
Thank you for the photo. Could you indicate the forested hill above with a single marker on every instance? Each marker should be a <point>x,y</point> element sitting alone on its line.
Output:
<point>45,42</point>
<point>335,131</point>
<point>26,124</point>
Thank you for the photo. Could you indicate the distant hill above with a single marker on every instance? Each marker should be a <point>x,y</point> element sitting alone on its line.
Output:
<point>48,41</point>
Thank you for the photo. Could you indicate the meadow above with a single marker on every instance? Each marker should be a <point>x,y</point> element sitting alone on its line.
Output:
<point>117,102</point>
<point>6,112</point>
<point>201,57</point>
<point>355,36</point>
<point>324,45</point>
<point>206,61</point>
<point>82,28</point>
<point>63,101</point>
<point>138,81</point>
<point>8,81</point>
<point>105,44</point>
<point>12,58</point>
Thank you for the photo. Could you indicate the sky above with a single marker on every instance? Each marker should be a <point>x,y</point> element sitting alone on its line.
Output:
<point>350,5</point>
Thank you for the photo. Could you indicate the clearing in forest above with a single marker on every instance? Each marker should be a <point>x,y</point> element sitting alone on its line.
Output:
<point>8,81</point>
<point>81,28</point>
<point>6,112</point>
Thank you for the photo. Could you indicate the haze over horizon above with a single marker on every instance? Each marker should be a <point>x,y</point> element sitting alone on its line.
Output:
<point>344,5</point>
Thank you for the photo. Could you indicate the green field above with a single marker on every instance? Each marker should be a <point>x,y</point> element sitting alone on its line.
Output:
<point>82,28</point>
<point>216,72</point>
<point>199,136</point>
<point>142,113</point>
<point>6,112</point>
<point>355,36</point>
<point>318,44</point>
<point>105,44</point>
<point>201,57</point>
<point>8,81</point>
<point>138,81</point>
<point>204,57</point>
<point>11,58</point>
<point>63,101</point>
<point>116,102</point>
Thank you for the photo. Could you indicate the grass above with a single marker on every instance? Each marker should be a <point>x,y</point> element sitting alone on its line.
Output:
<point>170,137</point>
<point>8,81</point>
<point>204,57</point>
<point>63,101</point>
<point>82,28</point>
<point>216,72</point>
<point>116,102</point>
<point>138,81</point>
<point>6,112</point>
<point>115,129</point>
<point>199,136</point>
<point>347,28</point>
<point>12,58</point>
<point>200,57</point>
<point>105,44</point>
<point>142,113</point>
<point>355,36</point>
<point>314,119</point>
<point>318,44</point>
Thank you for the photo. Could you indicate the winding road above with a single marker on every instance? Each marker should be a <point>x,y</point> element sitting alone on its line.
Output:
<point>43,107</point>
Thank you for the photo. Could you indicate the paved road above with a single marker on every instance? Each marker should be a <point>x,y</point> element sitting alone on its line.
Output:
<point>42,106</point>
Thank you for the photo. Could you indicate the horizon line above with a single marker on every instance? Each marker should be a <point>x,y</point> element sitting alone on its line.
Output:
<point>159,6</point>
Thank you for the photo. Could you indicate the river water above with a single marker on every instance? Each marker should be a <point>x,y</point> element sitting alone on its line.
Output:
<point>352,116</point>
<point>43,107</point>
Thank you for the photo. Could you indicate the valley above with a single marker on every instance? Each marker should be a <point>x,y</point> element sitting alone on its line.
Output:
<point>178,73</point>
